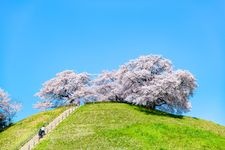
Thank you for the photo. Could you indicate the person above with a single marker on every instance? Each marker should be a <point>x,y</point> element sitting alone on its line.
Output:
<point>41,132</point>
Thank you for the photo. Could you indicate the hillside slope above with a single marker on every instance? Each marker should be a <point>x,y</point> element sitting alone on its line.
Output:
<point>20,132</point>
<point>122,126</point>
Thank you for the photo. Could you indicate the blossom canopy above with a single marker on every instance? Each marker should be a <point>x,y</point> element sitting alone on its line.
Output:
<point>149,81</point>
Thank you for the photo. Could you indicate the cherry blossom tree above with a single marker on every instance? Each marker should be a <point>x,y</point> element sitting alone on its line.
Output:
<point>168,92</point>
<point>60,90</point>
<point>8,109</point>
<point>150,81</point>
<point>106,87</point>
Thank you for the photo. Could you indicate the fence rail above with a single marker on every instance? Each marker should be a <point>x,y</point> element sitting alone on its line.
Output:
<point>35,139</point>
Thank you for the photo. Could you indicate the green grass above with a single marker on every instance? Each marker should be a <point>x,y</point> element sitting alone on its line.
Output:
<point>122,126</point>
<point>20,132</point>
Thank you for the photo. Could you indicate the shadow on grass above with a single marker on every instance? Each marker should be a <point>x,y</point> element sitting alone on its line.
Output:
<point>10,125</point>
<point>157,112</point>
<point>195,118</point>
<point>143,109</point>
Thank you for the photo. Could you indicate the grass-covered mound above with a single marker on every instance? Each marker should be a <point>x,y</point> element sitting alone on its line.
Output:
<point>123,126</point>
<point>19,133</point>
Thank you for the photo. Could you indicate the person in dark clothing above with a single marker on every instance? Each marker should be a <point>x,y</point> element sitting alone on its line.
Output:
<point>41,132</point>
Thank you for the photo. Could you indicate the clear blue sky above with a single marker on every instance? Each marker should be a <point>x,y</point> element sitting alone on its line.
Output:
<point>40,38</point>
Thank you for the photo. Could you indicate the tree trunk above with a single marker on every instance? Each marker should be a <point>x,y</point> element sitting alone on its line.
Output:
<point>150,105</point>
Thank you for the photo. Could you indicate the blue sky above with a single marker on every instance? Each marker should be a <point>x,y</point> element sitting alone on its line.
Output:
<point>40,38</point>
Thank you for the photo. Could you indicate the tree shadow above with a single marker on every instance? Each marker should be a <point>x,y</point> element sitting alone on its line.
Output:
<point>195,118</point>
<point>157,112</point>
<point>142,109</point>
<point>10,125</point>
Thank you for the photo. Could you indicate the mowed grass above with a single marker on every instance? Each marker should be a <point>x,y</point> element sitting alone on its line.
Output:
<point>122,126</point>
<point>20,132</point>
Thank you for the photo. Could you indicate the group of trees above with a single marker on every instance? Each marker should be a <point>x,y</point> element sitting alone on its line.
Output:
<point>7,109</point>
<point>149,81</point>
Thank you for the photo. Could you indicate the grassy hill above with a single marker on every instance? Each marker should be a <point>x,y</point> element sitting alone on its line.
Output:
<point>20,132</point>
<point>122,126</point>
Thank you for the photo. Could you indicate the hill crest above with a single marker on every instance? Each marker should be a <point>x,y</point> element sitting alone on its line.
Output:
<point>124,126</point>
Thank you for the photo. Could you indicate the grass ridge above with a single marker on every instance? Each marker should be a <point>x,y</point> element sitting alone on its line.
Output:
<point>123,126</point>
